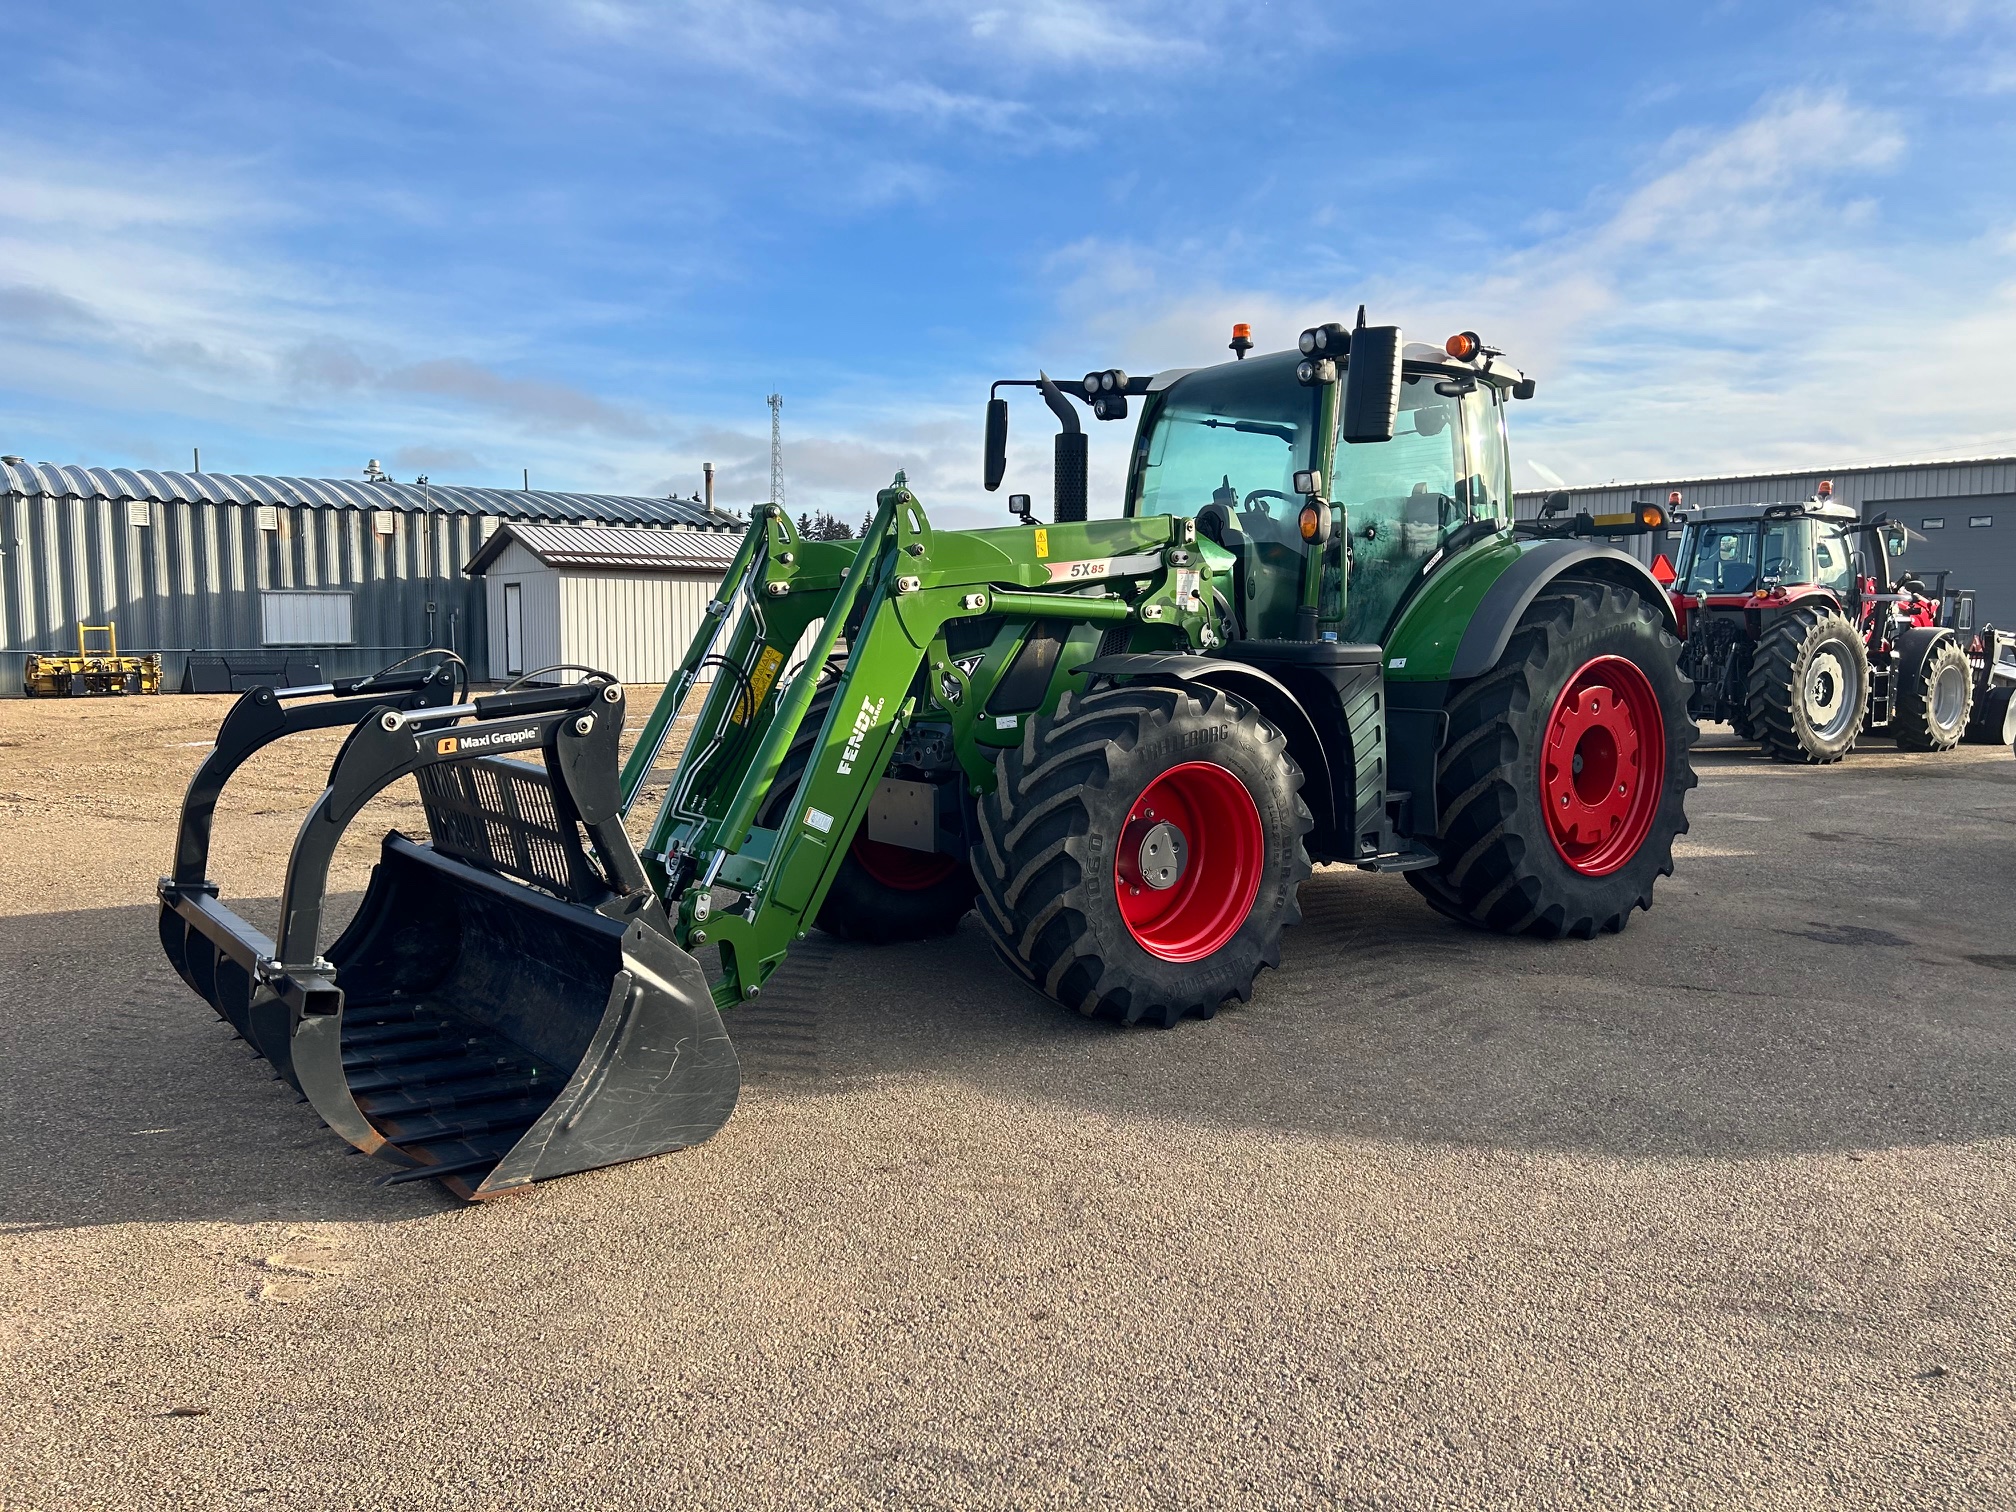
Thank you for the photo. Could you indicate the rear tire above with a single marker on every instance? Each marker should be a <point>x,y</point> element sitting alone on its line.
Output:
<point>1069,836</point>
<point>1994,721</point>
<point>1809,687</point>
<point>1587,704</point>
<point>1935,695</point>
<point>882,894</point>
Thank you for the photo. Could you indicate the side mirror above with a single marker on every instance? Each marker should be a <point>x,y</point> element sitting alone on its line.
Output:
<point>1893,539</point>
<point>996,463</point>
<point>1372,385</point>
<point>1555,503</point>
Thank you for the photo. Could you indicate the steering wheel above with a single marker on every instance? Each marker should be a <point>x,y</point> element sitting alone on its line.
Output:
<point>1265,493</point>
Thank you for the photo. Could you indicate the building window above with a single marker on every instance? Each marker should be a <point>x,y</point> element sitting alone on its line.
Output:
<point>305,617</point>
<point>1936,523</point>
<point>514,629</point>
<point>1980,522</point>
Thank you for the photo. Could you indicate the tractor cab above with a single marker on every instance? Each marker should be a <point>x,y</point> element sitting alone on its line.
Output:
<point>1318,529</point>
<point>1780,549</point>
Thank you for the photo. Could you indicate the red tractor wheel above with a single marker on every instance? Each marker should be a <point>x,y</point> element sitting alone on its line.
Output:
<point>1603,765</point>
<point>1142,850</point>
<point>1563,781</point>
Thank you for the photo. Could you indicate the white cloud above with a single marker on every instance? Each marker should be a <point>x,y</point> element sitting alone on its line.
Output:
<point>1111,34</point>
<point>1747,304</point>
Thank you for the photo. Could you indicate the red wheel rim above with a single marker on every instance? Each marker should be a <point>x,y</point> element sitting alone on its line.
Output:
<point>1223,848</point>
<point>1603,765</point>
<point>899,867</point>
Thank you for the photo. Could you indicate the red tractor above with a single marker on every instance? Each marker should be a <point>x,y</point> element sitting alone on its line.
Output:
<point>1800,633</point>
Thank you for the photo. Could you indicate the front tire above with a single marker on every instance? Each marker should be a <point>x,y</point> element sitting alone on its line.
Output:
<point>1935,694</point>
<point>1563,781</point>
<point>1142,850</point>
<point>1994,721</point>
<point>1809,687</point>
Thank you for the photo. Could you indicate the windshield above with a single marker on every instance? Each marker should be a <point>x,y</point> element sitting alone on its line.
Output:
<point>1236,435</point>
<point>1741,556</point>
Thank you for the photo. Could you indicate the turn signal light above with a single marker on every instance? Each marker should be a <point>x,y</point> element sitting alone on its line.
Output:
<point>1310,522</point>
<point>1463,345</point>
<point>1651,516</point>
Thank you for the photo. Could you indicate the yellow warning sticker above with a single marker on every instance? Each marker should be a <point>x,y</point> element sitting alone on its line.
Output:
<point>759,684</point>
<point>1042,542</point>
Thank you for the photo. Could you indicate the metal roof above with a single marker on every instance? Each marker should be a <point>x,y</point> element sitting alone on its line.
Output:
<point>1888,482</point>
<point>635,550</point>
<point>31,480</point>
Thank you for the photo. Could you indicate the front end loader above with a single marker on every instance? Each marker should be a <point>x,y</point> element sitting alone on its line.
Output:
<point>1314,634</point>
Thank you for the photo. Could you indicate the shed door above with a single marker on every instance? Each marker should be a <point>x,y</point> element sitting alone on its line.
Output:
<point>514,629</point>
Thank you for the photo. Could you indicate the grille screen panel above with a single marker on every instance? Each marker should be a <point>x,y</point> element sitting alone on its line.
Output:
<point>500,815</point>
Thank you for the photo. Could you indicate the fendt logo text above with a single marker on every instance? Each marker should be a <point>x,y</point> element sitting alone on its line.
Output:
<point>871,710</point>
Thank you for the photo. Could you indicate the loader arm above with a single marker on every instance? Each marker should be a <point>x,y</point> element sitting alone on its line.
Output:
<point>889,604</point>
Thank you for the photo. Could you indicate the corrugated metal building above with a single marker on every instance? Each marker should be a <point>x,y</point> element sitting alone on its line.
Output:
<point>352,574</point>
<point>1962,514</point>
<point>624,601</point>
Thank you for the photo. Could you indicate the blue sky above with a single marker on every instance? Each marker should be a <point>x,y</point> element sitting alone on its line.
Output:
<point>587,238</point>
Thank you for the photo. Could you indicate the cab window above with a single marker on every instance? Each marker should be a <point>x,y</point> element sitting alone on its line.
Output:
<point>1401,497</point>
<point>1833,563</point>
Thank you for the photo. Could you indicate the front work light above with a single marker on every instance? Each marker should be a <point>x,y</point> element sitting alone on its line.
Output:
<point>1329,340</point>
<point>1311,370</point>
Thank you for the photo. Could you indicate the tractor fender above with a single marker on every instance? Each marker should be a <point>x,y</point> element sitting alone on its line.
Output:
<point>1914,645</point>
<point>1275,701</point>
<point>1518,585</point>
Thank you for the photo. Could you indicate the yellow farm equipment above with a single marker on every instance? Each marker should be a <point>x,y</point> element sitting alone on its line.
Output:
<point>100,671</point>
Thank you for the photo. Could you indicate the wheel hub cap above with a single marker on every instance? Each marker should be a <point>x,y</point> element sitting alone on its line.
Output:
<point>1160,852</point>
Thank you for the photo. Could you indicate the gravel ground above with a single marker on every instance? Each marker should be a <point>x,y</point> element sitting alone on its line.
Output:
<point>1717,1212</point>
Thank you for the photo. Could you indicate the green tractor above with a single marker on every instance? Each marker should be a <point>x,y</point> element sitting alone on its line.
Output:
<point>1315,634</point>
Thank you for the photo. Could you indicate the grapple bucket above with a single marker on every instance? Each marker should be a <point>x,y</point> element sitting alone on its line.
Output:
<point>508,1003</point>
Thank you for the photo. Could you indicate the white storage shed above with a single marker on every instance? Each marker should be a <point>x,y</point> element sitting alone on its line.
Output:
<point>625,600</point>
